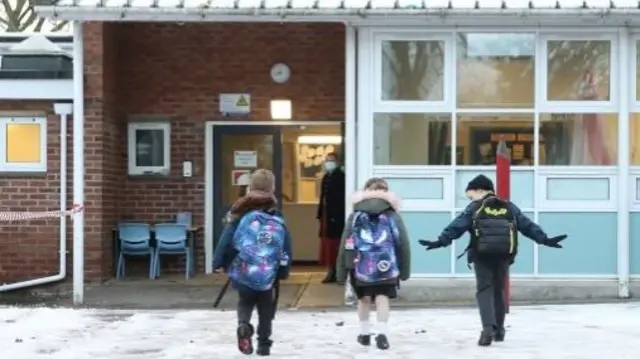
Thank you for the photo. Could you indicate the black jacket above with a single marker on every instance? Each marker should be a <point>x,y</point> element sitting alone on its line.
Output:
<point>464,223</point>
<point>332,200</point>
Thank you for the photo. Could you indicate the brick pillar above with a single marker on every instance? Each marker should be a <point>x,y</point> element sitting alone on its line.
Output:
<point>104,159</point>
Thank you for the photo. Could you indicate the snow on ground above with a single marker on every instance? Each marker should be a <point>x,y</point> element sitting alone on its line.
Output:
<point>551,332</point>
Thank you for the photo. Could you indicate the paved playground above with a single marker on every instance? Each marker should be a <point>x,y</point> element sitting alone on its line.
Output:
<point>549,332</point>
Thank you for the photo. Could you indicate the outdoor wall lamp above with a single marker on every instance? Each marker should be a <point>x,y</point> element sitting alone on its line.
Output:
<point>281,109</point>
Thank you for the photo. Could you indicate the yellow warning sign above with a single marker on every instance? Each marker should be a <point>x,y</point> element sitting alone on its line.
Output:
<point>233,104</point>
<point>242,101</point>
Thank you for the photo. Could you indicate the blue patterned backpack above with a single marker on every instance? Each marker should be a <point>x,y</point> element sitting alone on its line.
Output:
<point>374,240</point>
<point>259,241</point>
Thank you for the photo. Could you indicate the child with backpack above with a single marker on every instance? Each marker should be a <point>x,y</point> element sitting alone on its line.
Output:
<point>493,225</point>
<point>255,251</point>
<point>374,255</point>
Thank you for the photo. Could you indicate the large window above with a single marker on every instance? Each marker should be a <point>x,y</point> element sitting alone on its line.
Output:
<point>23,144</point>
<point>548,96</point>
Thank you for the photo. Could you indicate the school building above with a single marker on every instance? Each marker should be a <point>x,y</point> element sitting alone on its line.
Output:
<point>179,99</point>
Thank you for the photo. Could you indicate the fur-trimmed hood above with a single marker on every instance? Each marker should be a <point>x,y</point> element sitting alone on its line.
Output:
<point>254,200</point>
<point>375,201</point>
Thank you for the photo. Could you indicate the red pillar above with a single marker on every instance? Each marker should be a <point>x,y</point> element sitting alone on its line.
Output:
<point>503,190</point>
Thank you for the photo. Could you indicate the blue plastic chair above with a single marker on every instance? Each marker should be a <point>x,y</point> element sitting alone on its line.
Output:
<point>171,239</point>
<point>184,218</point>
<point>135,240</point>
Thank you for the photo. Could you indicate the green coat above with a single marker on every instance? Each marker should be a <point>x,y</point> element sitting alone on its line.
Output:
<point>375,202</point>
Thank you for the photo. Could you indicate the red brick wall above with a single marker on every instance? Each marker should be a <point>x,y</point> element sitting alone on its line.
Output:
<point>29,249</point>
<point>167,70</point>
<point>179,70</point>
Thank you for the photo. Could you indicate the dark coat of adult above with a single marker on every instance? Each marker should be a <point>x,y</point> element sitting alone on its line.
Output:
<point>332,200</point>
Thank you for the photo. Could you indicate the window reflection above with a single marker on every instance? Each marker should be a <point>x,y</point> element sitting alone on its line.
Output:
<point>495,70</point>
<point>578,70</point>
<point>579,139</point>
<point>413,70</point>
<point>479,135</point>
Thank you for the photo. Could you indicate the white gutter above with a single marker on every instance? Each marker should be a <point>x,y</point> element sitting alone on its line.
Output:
<point>426,17</point>
<point>63,110</point>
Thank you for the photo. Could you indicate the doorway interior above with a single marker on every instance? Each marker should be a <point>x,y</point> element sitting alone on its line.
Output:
<point>294,151</point>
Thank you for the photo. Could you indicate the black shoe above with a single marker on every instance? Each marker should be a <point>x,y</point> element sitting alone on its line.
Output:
<point>264,348</point>
<point>486,338</point>
<point>330,277</point>
<point>364,340</point>
<point>498,334</point>
<point>245,344</point>
<point>382,342</point>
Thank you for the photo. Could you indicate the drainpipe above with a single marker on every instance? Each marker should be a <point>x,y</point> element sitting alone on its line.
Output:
<point>78,162</point>
<point>62,110</point>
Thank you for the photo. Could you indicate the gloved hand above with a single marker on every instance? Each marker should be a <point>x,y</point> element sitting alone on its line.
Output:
<point>430,244</point>
<point>554,242</point>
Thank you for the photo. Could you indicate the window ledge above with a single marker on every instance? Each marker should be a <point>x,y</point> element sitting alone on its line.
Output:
<point>22,174</point>
<point>149,176</point>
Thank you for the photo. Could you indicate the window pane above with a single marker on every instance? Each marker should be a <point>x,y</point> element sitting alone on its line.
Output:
<point>638,70</point>
<point>150,148</point>
<point>495,70</point>
<point>634,138</point>
<point>23,143</point>
<point>578,70</point>
<point>578,139</point>
<point>478,137</point>
<point>413,70</point>
<point>411,139</point>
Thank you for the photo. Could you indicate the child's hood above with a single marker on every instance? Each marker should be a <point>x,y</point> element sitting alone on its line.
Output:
<point>375,201</point>
<point>254,200</point>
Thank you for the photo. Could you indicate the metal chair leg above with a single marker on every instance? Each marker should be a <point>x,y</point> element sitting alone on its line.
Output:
<point>152,265</point>
<point>120,272</point>
<point>187,265</point>
<point>158,263</point>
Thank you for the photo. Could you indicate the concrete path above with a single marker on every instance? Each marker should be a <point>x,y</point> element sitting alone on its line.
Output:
<point>302,291</point>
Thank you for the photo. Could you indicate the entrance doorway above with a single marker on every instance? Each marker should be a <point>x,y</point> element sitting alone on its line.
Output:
<point>295,153</point>
<point>238,150</point>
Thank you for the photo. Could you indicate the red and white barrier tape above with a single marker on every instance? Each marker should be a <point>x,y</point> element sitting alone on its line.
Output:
<point>24,216</point>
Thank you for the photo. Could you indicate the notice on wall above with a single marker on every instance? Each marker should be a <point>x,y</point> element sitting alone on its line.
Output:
<point>240,177</point>
<point>235,103</point>
<point>245,159</point>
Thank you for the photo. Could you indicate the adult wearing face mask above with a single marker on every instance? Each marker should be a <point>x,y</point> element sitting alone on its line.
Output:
<point>331,213</point>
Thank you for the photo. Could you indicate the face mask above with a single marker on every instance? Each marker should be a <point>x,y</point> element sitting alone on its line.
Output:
<point>329,166</point>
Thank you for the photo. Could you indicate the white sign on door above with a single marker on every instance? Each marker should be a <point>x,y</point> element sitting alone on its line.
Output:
<point>245,159</point>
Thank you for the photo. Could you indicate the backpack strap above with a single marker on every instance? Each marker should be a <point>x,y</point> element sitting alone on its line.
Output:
<point>473,225</point>
<point>356,217</point>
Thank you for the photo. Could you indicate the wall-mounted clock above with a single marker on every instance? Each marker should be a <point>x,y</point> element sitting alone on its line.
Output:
<point>280,73</point>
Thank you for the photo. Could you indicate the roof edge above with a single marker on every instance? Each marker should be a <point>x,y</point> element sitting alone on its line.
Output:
<point>345,15</point>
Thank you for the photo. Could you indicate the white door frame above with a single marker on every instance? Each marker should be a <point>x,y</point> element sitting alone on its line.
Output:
<point>209,223</point>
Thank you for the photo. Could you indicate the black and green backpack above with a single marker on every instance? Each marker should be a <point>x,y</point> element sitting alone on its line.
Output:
<point>495,231</point>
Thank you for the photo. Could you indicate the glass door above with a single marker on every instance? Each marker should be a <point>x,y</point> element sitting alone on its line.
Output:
<point>238,151</point>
